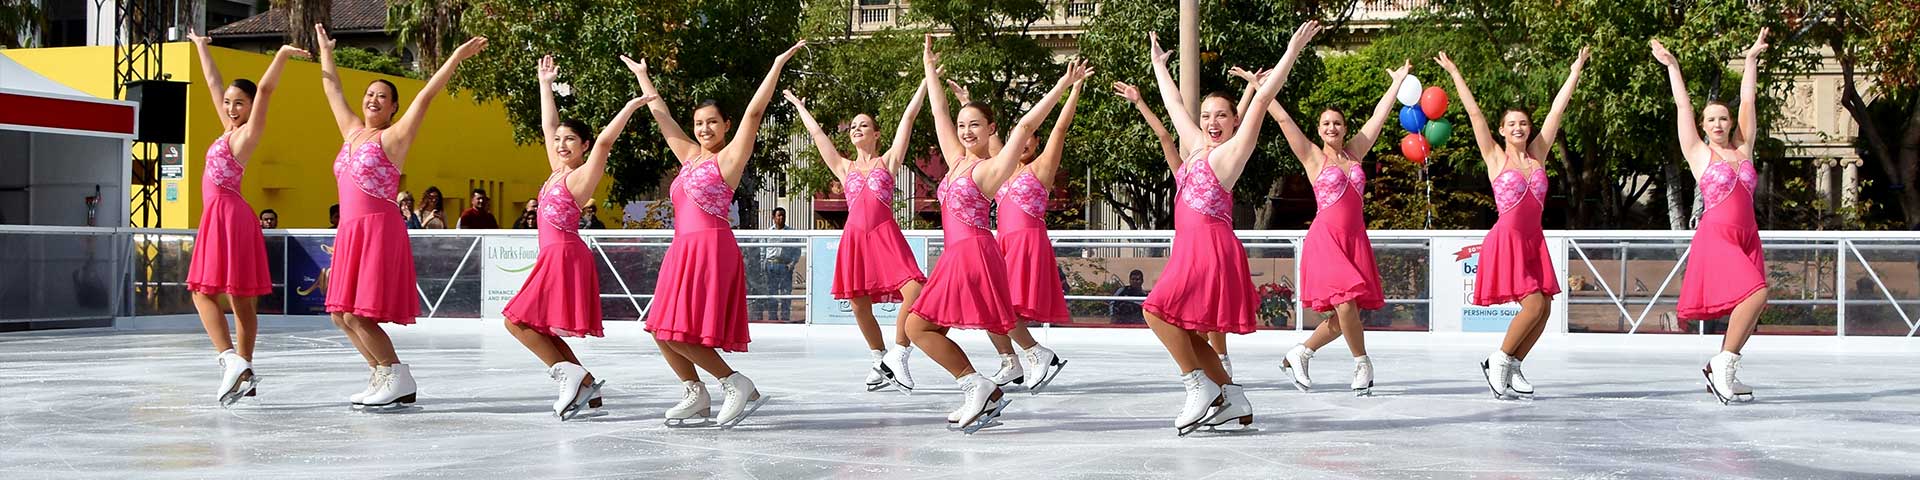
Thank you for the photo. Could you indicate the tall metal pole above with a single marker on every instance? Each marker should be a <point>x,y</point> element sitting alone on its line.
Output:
<point>1190,55</point>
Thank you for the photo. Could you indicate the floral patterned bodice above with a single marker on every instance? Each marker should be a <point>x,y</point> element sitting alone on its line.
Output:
<point>368,168</point>
<point>1026,192</point>
<point>222,169</point>
<point>961,197</point>
<point>700,179</point>
<point>1717,182</point>
<point>1510,187</point>
<point>1200,190</point>
<point>1334,183</point>
<point>557,206</point>
<point>877,182</point>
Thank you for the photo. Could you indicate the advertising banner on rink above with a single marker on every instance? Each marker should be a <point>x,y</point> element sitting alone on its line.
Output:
<point>1455,261</point>
<point>822,308</point>
<point>503,269</point>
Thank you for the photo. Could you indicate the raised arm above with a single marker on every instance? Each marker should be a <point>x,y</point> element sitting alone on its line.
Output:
<point>1482,134</point>
<point>828,155</point>
<point>1362,142</point>
<point>1046,165</point>
<point>1007,160</point>
<point>903,134</point>
<point>263,95</point>
<point>1749,90</point>
<point>216,85</point>
<point>1297,140</point>
<point>343,114</point>
<point>683,146</point>
<point>1168,147</point>
<point>950,149</point>
<point>1682,102</point>
<point>546,71</point>
<point>1246,94</point>
<point>1551,128</point>
<point>1234,153</point>
<point>733,158</point>
<point>581,184</point>
<point>1183,123</point>
<point>416,114</point>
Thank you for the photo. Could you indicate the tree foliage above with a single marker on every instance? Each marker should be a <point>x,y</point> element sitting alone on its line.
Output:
<point>697,50</point>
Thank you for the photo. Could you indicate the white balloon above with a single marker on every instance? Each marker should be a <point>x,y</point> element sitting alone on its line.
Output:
<point>1410,91</point>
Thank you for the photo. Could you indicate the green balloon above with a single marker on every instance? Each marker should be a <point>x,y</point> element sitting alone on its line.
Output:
<point>1437,132</point>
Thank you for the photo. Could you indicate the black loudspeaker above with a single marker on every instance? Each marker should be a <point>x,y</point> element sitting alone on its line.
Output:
<point>163,110</point>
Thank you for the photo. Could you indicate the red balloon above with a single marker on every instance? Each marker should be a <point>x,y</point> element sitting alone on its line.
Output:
<point>1433,102</point>
<point>1414,147</point>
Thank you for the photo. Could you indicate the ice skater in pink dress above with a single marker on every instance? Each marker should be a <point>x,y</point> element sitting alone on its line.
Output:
<point>1170,148</point>
<point>1515,264</point>
<point>875,264</point>
<point>561,297</point>
<point>372,280</point>
<point>700,301</point>
<point>968,288</point>
<point>1336,261</point>
<point>1726,273</point>
<point>1207,286</point>
<point>229,253</point>
<point>1033,282</point>
<point>1033,272</point>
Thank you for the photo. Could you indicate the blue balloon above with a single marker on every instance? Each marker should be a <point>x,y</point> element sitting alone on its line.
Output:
<point>1412,118</point>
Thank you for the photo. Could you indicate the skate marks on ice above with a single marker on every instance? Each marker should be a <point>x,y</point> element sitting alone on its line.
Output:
<point>122,405</point>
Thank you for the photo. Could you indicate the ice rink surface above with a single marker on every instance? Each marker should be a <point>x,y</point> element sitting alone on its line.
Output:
<point>140,404</point>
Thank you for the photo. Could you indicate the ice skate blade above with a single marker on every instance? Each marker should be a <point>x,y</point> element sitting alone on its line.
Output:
<point>704,419</point>
<point>1486,370</point>
<point>398,404</point>
<point>1295,375</point>
<point>1230,428</point>
<point>1363,392</point>
<point>894,381</point>
<point>245,388</point>
<point>1020,380</point>
<point>581,400</point>
<point>1047,376</point>
<point>1724,400</point>
<point>986,418</point>
<point>875,387</point>
<point>752,406</point>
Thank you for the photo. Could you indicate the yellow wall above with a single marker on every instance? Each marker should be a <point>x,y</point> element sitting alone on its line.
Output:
<point>291,171</point>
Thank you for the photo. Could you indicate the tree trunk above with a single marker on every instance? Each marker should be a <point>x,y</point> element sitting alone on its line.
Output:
<point>301,16</point>
<point>1268,215</point>
<point>1676,197</point>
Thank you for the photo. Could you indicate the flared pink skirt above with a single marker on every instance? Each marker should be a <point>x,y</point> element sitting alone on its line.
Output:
<point>968,288</point>
<point>1337,266</point>
<point>701,296</point>
<point>229,253</point>
<point>1033,276</point>
<point>562,295</point>
<point>1207,286</point>
<point>372,274</point>
<point>1724,268</point>
<point>874,262</point>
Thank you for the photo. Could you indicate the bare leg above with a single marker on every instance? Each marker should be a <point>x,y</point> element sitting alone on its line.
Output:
<point>1019,334</point>
<point>869,326</point>
<point>341,321</point>
<point>909,292</point>
<point>246,321</point>
<point>214,320</point>
<point>1324,334</point>
<point>540,344</point>
<point>706,357</point>
<point>1539,328</point>
<point>1532,309</point>
<point>1190,350</point>
<point>933,340</point>
<point>374,339</point>
<point>1217,341</point>
<point>565,351</point>
<point>682,367</point>
<point>1744,321</point>
<point>1350,326</point>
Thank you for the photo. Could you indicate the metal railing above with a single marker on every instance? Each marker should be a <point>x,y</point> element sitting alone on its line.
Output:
<point>1821,283</point>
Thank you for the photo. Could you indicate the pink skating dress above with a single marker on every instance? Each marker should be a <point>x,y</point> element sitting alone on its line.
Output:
<point>372,274</point>
<point>701,296</point>
<point>874,259</point>
<point>1726,265</point>
<point>1514,260</point>
<point>1207,286</point>
<point>1336,260</point>
<point>968,288</point>
<point>229,254</point>
<point>1033,274</point>
<point>562,295</point>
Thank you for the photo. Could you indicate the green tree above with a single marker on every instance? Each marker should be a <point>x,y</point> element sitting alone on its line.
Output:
<point>1878,36</point>
<point>20,23</point>
<point>697,50</point>
<point>301,17</point>
<point>430,27</point>
<point>1619,143</point>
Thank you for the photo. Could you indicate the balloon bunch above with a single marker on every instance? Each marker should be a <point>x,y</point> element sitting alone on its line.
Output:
<point>1420,113</point>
